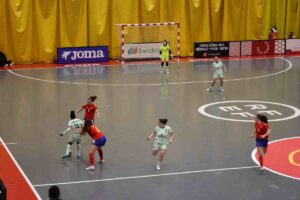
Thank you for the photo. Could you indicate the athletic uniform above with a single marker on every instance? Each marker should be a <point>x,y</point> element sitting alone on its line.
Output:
<point>261,129</point>
<point>97,135</point>
<point>90,110</point>
<point>75,126</point>
<point>218,69</point>
<point>161,137</point>
<point>99,141</point>
<point>165,51</point>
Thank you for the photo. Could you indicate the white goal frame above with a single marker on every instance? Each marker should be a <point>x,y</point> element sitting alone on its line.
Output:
<point>122,34</point>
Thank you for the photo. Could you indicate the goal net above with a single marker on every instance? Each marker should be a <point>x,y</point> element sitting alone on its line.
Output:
<point>143,41</point>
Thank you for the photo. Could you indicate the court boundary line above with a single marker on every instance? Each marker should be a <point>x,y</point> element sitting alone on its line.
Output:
<point>146,176</point>
<point>190,60</point>
<point>20,169</point>
<point>271,170</point>
<point>150,84</point>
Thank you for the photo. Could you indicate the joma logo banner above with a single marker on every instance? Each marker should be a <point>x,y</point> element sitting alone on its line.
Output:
<point>82,54</point>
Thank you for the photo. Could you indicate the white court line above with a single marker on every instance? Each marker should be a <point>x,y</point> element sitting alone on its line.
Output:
<point>11,143</point>
<point>146,176</point>
<point>150,84</point>
<point>275,172</point>
<point>20,170</point>
<point>191,60</point>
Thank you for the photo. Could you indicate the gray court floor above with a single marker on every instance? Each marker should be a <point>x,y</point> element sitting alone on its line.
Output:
<point>209,159</point>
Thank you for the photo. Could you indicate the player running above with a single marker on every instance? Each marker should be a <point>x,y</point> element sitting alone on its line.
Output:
<point>90,109</point>
<point>75,126</point>
<point>217,67</point>
<point>262,132</point>
<point>99,141</point>
<point>163,136</point>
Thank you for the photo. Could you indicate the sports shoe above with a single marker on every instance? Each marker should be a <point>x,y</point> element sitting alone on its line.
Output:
<point>208,89</point>
<point>101,161</point>
<point>157,166</point>
<point>78,156</point>
<point>161,71</point>
<point>168,72</point>
<point>90,168</point>
<point>262,169</point>
<point>221,89</point>
<point>67,156</point>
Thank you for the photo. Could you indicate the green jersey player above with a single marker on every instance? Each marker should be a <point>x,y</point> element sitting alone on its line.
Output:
<point>75,126</point>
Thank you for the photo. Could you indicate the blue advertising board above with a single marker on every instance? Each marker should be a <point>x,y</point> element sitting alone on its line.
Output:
<point>70,55</point>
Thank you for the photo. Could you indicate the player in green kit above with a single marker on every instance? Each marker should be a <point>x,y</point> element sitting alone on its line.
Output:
<point>217,67</point>
<point>75,126</point>
<point>164,56</point>
<point>163,136</point>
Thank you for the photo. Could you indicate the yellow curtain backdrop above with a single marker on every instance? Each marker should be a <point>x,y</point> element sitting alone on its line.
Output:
<point>31,31</point>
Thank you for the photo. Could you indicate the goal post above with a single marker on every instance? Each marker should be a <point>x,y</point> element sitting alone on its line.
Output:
<point>143,41</point>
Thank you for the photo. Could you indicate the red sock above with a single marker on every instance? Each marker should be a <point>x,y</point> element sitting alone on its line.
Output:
<point>100,154</point>
<point>92,159</point>
<point>261,161</point>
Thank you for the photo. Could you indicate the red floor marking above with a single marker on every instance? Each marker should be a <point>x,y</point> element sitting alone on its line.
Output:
<point>16,182</point>
<point>283,157</point>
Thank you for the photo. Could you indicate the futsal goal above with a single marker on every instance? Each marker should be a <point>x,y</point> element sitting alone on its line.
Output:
<point>143,41</point>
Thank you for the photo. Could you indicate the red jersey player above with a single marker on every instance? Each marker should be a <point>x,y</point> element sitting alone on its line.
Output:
<point>261,131</point>
<point>99,141</point>
<point>90,109</point>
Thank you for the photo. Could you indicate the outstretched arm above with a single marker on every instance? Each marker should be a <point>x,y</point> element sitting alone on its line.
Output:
<point>65,131</point>
<point>150,136</point>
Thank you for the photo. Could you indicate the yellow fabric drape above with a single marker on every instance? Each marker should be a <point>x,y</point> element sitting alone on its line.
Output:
<point>31,31</point>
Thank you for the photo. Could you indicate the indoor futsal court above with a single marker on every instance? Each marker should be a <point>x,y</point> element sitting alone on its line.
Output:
<point>150,100</point>
<point>209,159</point>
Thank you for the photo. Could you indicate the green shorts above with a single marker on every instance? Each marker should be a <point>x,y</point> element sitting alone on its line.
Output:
<point>218,74</point>
<point>164,57</point>
<point>158,146</point>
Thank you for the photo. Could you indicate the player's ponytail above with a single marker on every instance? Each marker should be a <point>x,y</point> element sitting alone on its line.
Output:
<point>93,98</point>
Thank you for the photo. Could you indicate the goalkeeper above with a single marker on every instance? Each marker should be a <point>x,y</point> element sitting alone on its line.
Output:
<point>164,56</point>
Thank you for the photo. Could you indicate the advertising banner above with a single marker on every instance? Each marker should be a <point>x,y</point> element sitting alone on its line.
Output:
<point>292,46</point>
<point>142,51</point>
<point>211,49</point>
<point>71,55</point>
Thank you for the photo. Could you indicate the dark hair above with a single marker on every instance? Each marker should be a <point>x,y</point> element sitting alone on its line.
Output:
<point>93,98</point>
<point>262,118</point>
<point>72,114</point>
<point>163,121</point>
<point>54,192</point>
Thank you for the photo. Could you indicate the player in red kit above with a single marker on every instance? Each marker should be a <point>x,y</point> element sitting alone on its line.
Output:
<point>90,109</point>
<point>99,141</point>
<point>262,132</point>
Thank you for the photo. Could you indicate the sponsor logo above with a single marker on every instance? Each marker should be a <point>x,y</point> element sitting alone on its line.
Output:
<point>245,111</point>
<point>82,54</point>
<point>136,50</point>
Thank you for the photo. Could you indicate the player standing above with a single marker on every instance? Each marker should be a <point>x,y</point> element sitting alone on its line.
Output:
<point>163,136</point>
<point>262,132</point>
<point>217,67</point>
<point>75,126</point>
<point>164,56</point>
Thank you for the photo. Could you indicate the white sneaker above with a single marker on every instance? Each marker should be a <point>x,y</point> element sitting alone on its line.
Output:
<point>90,168</point>
<point>161,71</point>
<point>221,89</point>
<point>168,72</point>
<point>157,166</point>
<point>78,156</point>
<point>208,89</point>
<point>101,161</point>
